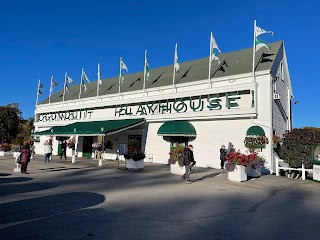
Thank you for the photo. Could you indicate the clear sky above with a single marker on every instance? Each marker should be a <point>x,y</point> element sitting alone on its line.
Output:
<point>43,38</point>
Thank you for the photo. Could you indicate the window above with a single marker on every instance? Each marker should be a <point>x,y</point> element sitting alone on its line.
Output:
<point>281,72</point>
<point>179,140</point>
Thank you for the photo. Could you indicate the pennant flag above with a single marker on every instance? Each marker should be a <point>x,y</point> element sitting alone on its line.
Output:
<point>39,92</point>
<point>260,31</point>
<point>84,78</point>
<point>176,64</point>
<point>122,66</point>
<point>41,86</point>
<point>67,88</point>
<point>70,80</point>
<point>260,44</point>
<point>214,45</point>
<point>53,83</point>
<point>147,73</point>
<point>99,75</point>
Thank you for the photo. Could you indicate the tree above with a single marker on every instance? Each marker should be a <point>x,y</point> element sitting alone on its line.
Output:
<point>297,146</point>
<point>10,117</point>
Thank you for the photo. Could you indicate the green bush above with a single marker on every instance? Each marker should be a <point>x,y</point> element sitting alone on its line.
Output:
<point>297,146</point>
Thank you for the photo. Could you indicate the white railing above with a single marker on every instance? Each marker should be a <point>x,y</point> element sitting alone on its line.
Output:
<point>302,169</point>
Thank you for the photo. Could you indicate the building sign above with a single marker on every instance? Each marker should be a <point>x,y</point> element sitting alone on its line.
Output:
<point>229,100</point>
<point>182,105</point>
<point>65,116</point>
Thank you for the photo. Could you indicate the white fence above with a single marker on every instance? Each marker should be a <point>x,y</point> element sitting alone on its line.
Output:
<point>302,169</point>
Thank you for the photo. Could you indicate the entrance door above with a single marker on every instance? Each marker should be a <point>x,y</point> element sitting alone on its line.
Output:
<point>87,147</point>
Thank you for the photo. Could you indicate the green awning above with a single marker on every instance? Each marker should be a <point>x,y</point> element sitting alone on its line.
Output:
<point>255,131</point>
<point>177,128</point>
<point>93,128</point>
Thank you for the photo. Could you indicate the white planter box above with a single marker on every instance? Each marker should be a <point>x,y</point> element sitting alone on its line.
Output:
<point>176,169</point>
<point>135,164</point>
<point>316,172</point>
<point>2,153</point>
<point>15,154</point>
<point>254,172</point>
<point>238,175</point>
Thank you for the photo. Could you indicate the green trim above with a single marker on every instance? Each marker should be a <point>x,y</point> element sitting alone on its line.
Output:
<point>177,128</point>
<point>93,128</point>
<point>255,131</point>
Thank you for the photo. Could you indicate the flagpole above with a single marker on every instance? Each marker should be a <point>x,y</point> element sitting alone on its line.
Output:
<point>99,79</point>
<point>50,90</point>
<point>254,50</point>
<point>38,92</point>
<point>80,83</point>
<point>174,67</point>
<point>209,77</point>
<point>144,72</point>
<point>64,86</point>
<point>120,77</point>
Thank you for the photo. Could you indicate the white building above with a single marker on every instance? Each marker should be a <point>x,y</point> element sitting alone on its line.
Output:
<point>198,111</point>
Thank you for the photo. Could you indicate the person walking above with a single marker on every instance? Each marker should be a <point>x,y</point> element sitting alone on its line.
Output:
<point>25,157</point>
<point>188,162</point>
<point>64,149</point>
<point>47,151</point>
<point>223,153</point>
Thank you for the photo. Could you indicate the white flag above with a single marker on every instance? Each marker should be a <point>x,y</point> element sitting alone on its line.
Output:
<point>260,31</point>
<point>53,83</point>
<point>214,45</point>
<point>70,80</point>
<point>99,75</point>
<point>67,88</point>
<point>146,67</point>
<point>84,76</point>
<point>176,64</point>
<point>122,66</point>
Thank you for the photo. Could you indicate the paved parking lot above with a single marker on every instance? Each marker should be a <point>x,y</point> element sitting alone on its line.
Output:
<point>61,200</point>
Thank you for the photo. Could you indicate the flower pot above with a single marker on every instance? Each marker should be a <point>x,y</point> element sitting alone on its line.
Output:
<point>2,153</point>
<point>238,174</point>
<point>16,154</point>
<point>254,172</point>
<point>176,169</point>
<point>134,164</point>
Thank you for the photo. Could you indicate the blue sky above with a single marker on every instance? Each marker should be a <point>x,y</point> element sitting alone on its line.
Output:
<point>43,38</point>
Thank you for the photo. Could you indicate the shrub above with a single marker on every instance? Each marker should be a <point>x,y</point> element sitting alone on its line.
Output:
<point>297,146</point>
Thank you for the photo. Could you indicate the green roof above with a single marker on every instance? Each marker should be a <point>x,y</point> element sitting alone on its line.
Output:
<point>177,128</point>
<point>93,128</point>
<point>232,63</point>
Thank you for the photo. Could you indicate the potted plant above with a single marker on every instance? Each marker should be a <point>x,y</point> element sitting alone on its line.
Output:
<point>275,141</point>
<point>254,142</point>
<point>5,147</point>
<point>239,166</point>
<point>176,160</point>
<point>134,156</point>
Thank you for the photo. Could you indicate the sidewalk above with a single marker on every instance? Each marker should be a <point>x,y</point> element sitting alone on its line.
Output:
<point>62,200</point>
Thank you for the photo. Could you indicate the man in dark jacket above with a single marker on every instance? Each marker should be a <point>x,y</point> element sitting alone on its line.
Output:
<point>188,162</point>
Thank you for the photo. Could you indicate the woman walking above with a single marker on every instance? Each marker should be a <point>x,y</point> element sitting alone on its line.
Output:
<point>25,157</point>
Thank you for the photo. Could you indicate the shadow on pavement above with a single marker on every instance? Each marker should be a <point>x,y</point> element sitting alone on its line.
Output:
<point>4,174</point>
<point>45,206</point>
<point>14,179</point>
<point>30,187</point>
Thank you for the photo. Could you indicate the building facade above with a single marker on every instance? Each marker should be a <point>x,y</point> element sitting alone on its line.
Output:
<point>198,110</point>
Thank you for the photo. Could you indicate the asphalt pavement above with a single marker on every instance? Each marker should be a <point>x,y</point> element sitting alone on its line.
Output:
<point>64,200</point>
